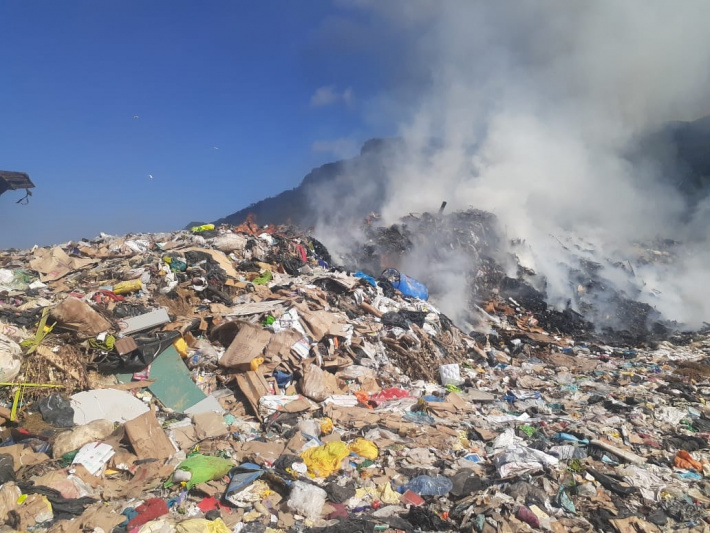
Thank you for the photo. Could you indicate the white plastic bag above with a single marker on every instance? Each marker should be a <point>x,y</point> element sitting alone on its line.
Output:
<point>318,384</point>
<point>307,500</point>
<point>10,359</point>
<point>229,242</point>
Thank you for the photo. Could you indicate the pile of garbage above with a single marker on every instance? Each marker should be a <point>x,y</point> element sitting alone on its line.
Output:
<point>232,379</point>
<point>606,301</point>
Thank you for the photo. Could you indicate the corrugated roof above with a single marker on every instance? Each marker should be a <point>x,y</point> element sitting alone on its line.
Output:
<point>16,180</point>
<point>10,181</point>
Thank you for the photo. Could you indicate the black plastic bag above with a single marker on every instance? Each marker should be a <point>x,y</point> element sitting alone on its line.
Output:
<point>7,468</point>
<point>426,520</point>
<point>63,508</point>
<point>149,347</point>
<point>56,411</point>
<point>610,483</point>
<point>394,319</point>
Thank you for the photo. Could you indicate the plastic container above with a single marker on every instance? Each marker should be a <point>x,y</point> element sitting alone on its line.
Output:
<point>450,375</point>
<point>430,486</point>
<point>406,285</point>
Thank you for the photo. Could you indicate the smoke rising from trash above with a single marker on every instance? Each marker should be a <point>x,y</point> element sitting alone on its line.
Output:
<point>533,112</point>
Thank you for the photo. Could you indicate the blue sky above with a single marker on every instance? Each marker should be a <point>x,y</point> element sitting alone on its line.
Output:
<point>236,101</point>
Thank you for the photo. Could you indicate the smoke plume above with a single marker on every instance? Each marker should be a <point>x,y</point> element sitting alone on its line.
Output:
<point>531,109</point>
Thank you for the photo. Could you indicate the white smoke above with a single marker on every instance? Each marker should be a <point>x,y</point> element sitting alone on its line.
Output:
<point>533,105</point>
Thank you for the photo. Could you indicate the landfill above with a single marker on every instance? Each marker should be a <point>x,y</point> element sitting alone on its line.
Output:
<point>235,378</point>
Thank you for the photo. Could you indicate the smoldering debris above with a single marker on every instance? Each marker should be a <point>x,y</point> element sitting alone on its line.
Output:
<point>467,262</point>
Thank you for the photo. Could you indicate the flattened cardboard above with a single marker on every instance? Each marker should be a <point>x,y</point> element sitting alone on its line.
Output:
<point>133,385</point>
<point>253,386</point>
<point>148,439</point>
<point>347,282</point>
<point>259,452</point>
<point>98,516</point>
<point>55,263</point>
<point>246,346</point>
<point>280,344</point>
<point>184,437</point>
<point>457,401</point>
<point>338,329</point>
<point>575,364</point>
<point>299,406</point>
<point>125,345</point>
<point>146,477</point>
<point>356,417</point>
<point>209,425</point>
<point>317,322</point>
<point>76,315</point>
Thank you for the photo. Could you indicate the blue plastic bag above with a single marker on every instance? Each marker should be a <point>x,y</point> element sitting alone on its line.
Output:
<point>406,285</point>
<point>367,278</point>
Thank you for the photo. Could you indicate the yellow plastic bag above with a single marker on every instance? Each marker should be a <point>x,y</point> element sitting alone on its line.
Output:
<point>388,495</point>
<point>124,287</point>
<point>326,426</point>
<point>202,525</point>
<point>324,460</point>
<point>204,227</point>
<point>364,448</point>
<point>385,494</point>
<point>181,347</point>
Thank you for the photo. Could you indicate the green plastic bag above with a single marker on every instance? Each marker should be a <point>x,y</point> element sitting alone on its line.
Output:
<point>263,279</point>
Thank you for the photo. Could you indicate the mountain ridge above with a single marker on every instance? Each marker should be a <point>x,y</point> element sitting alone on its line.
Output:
<point>681,149</point>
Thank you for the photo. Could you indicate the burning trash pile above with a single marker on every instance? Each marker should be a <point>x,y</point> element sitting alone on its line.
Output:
<point>233,379</point>
<point>488,267</point>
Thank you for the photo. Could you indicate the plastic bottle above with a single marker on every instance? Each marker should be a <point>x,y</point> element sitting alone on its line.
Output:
<point>430,486</point>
